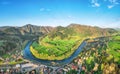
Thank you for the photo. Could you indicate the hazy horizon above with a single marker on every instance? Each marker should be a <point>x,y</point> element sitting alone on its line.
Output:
<point>101,13</point>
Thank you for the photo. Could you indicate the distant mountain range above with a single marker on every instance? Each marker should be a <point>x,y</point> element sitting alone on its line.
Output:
<point>15,38</point>
<point>81,30</point>
<point>36,30</point>
<point>27,29</point>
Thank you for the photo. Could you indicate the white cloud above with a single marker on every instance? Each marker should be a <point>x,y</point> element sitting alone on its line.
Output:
<point>113,3</point>
<point>95,3</point>
<point>110,6</point>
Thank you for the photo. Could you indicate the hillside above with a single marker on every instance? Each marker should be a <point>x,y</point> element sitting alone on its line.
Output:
<point>26,30</point>
<point>33,29</point>
<point>63,41</point>
<point>14,39</point>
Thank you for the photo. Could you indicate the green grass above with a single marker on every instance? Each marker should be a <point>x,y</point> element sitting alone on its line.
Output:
<point>114,45</point>
<point>116,38</point>
<point>89,60</point>
<point>114,48</point>
<point>57,48</point>
<point>14,62</point>
<point>6,56</point>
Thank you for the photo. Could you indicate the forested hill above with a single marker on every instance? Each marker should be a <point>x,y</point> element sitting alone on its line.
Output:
<point>13,38</point>
<point>26,29</point>
<point>80,30</point>
<point>63,41</point>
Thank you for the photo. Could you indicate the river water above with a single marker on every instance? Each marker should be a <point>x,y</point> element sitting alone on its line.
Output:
<point>28,55</point>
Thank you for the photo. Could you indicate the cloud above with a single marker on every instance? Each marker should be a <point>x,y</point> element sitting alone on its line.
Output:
<point>44,9</point>
<point>110,6</point>
<point>110,3</point>
<point>95,3</point>
<point>113,3</point>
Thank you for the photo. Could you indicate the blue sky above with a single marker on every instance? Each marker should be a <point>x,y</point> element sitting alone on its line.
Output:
<point>102,13</point>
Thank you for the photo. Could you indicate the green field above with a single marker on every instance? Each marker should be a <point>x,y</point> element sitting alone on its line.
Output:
<point>56,49</point>
<point>114,48</point>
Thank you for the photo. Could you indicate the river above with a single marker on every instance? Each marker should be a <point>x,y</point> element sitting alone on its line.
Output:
<point>28,55</point>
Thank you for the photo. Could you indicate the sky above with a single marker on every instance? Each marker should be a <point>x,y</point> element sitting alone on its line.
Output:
<point>102,13</point>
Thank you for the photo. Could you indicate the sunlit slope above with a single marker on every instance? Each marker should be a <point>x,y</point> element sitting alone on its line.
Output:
<point>63,41</point>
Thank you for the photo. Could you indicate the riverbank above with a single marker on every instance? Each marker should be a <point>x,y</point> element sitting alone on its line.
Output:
<point>28,55</point>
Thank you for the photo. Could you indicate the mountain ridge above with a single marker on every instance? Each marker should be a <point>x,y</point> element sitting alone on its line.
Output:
<point>63,41</point>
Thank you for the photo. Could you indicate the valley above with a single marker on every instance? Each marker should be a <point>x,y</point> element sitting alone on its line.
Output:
<point>63,41</point>
<point>60,48</point>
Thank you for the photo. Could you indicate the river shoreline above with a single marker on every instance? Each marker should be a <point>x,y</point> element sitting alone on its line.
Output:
<point>28,55</point>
